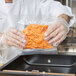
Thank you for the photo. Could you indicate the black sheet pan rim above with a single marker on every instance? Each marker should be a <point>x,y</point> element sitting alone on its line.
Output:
<point>34,74</point>
<point>9,62</point>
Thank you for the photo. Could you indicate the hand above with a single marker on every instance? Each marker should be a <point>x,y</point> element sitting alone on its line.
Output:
<point>56,33</point>
<point>13,37</point>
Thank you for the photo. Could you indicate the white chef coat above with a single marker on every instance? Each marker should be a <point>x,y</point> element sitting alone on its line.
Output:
<point>12,13</point>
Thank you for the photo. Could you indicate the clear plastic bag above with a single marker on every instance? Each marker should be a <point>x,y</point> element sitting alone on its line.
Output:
<point>36,20</point>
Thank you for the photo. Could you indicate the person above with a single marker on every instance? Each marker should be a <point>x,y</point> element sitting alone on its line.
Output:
<point>13,11</point>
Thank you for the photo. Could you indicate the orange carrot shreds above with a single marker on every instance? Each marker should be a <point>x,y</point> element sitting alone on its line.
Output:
<point>35,37</point>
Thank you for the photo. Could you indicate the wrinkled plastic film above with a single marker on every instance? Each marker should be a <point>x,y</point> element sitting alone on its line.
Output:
<point>3,50</point>
<point>7,52</point>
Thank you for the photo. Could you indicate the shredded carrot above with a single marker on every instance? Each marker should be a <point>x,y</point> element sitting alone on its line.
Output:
<point>35,37</point>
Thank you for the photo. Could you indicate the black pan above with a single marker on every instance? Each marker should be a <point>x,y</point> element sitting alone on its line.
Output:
<point>46,63</point>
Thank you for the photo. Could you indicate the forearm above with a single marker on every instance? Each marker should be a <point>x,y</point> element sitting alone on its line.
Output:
<point>0,34</point>
<point>8,1</point>
<point>66,17</point>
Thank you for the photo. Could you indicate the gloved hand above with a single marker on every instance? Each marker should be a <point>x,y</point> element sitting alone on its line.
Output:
<point>57,32</point>
<point>13,37</point>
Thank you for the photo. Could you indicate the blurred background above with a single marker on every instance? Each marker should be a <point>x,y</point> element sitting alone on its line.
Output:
<point>70,3</point>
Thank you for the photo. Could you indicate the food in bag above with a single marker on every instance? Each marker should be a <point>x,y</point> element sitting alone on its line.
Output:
<point>35,37</point>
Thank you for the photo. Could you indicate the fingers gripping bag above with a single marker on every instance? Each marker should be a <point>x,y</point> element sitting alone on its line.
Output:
<point>35,24</point>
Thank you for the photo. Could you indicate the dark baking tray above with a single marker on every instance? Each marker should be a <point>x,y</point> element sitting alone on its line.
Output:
<point>42,63</point>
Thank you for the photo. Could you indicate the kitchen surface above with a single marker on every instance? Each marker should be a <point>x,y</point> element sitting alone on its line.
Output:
<point>61,61</point>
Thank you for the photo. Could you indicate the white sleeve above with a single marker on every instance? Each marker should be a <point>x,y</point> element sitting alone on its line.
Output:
<point>44,9</point>
<point>57,9</point>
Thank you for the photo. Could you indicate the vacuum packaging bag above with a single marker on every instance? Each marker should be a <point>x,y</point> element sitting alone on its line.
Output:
<point>35,40</point>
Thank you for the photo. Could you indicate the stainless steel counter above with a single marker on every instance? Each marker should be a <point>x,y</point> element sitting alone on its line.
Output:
<point>67,53</point>
<point>68,46</point>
